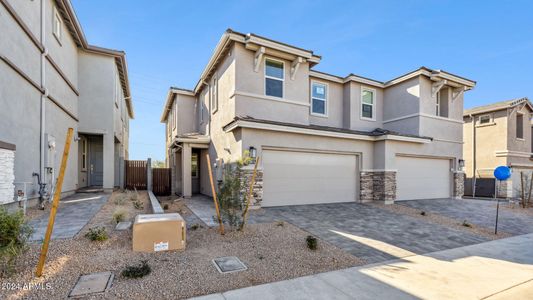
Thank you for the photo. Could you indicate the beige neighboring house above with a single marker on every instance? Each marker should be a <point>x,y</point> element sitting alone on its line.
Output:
<point>322,138</point>
<point>498,134</point>
<point>52,79</point>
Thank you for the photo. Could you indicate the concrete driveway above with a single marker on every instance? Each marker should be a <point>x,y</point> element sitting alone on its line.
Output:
<point>367,231</point>
<point>478,212</point>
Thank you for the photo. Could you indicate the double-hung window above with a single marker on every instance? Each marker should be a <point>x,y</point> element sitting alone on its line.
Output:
<point>368,104</point>
<point>57,25</point>
<point>319,99</point>
<point>519,126</point>
<point>214,95</point>
<point>485,119</point>
<point>274,76</point>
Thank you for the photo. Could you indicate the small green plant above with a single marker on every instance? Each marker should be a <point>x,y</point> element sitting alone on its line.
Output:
<point>231,196</point>
<point>422,213</point>
<point>280,223</point>
<point>119,216</point>
<point>165,207</point>
<point>195,226</point>
<point>137,271</point>
<point>137,204</point>
<point>97,234</point>
<point>120,199</point>
<point>132,195</point>
<point>312,242</point>
<point>14,236</point>
<point>466,224</point>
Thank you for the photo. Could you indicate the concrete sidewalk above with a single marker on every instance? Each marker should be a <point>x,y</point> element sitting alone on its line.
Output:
<point>492,270</point>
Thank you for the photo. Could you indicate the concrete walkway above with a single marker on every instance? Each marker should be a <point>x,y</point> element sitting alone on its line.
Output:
<point>492,270</point>
<point>203,207</point>
<point>73,213</point>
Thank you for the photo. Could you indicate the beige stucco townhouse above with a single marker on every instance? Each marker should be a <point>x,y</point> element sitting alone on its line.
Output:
<point>322,138</point>
<point>52,79</point>
<point>497,134</point>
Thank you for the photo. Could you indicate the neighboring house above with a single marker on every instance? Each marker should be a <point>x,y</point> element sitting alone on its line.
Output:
<point>495,135</point>
<point>321,138</point>
<point>52,79</point>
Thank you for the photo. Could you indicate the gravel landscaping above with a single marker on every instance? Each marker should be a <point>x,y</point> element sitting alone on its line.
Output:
<point>443,220</point>
<point>272,252</point>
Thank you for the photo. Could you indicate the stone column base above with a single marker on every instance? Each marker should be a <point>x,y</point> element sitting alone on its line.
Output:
<point>458,185</point>
<point>257,192</point>
<point>378,186</point>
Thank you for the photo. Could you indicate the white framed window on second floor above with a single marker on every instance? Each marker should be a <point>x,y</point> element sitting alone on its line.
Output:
<point>57,25</point>
<point>214,95</point>
<point>274,77</point>
<point>368,104</point>
<point>319,99</point>
<point>485,119</point>
<point>519,126</point>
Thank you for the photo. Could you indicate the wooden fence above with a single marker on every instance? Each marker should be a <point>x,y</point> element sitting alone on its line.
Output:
<point>161,181</point>
<point>135,171</point>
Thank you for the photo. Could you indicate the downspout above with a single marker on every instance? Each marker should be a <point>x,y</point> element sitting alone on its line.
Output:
<point>473,156</point>
<point>43,96</point>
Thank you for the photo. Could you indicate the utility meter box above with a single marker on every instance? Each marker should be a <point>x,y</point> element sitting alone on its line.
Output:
<point>159,232</point>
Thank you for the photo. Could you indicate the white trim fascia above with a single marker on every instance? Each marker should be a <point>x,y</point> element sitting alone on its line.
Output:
<point>327,77</point>
<point>364,81</point>
<point>252,39</point>
<point>448,141</point>
<point>326,114</point>
<point>506,153</point>
<point>269,98</point>
<point>424,115</point>
<point>374,104</point>
<point>379,170</point>
<point>407,77</point>
<point>317,132</point>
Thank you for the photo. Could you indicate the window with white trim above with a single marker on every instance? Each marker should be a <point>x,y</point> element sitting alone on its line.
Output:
<point>319,101</point>
<point>437,106</point>
<point>84,154</point>
<point>368,104</point>
<point>274,77</point>
<point>194,165</point>
<point>214,95</point>
<point>484,119</point>
<point>519,126</point>
<point>57,25</point>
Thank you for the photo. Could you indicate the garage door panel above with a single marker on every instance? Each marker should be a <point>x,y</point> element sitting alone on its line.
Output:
<point>292,178</point>
<point>422,178</point>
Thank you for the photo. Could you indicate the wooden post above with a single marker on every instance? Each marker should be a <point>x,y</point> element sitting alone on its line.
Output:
<point>220,223</point>
<point>522,192</point>
<point>55,203</point>
<point>249,196</point>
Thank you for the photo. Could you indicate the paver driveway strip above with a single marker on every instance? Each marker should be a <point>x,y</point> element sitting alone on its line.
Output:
<point>369,232</point>
<point>73,213</point>
<point>477,212</point>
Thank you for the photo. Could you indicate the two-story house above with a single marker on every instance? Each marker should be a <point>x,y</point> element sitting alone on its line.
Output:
<point>497,134</point>
<point>52,79</point>
<point>321,138</point>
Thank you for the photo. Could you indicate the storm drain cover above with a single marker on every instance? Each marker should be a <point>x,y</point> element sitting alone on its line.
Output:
<point>124,225</point>
<point>92,283</point>
<point>229,264</point>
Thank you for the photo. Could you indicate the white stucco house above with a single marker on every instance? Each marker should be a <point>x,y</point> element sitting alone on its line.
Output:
<point>51,79</point>
<point>322,138</point>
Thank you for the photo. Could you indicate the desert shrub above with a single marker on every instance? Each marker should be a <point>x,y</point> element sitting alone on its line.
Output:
<point>137,204</point>
<point>97,234</point>
<point>165,207</point>
<point>230,196</point>
<point>133,195</point>
<point>137,271</point>
<point>422,213</point>
<point>312,242</point>
<point>195,226</point>
<point>14,236</point>
<point>119,216</point>
<point>280,223</point>
<point>120,199</point>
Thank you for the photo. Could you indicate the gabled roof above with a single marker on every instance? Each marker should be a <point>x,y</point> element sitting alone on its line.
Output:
<point>74,27</point>
<point>170,100</point>
<point>498,106</point>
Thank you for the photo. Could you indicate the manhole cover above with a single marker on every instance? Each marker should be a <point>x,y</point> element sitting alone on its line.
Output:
<point>125,225</point>
<point>92,283</point>
<point>229,264</point>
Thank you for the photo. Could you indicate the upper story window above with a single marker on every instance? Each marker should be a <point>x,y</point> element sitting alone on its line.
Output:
<point>368,104</point>
<point>519,126</point>
<point>441,108</point>
<point>485,119</point>
<point>274,76</point>
<point>214,95</point>
<point>319,99</point>
<point>57,25</point>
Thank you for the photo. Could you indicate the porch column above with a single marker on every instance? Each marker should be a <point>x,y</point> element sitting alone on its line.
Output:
<point>186,179</point>
<point>109,161</point>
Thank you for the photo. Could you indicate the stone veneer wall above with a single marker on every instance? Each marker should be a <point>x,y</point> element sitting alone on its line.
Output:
<point>257,191</point>
<point>378,186</point>
<point>7,173</point>
<point>458,184</point>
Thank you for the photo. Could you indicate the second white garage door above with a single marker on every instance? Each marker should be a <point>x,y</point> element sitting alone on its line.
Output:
<point>294,177</point>
<point>422,178</point>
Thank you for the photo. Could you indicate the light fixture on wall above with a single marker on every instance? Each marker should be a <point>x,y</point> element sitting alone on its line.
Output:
<point>253,152</point>
<point>461,164</point>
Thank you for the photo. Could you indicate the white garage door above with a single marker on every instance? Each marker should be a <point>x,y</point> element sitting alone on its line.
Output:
<point>292,178</point>
<point>422,178</point>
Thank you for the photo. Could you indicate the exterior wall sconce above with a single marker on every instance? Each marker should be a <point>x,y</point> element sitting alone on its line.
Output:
<point>253,152</point>
<point>461,164</point>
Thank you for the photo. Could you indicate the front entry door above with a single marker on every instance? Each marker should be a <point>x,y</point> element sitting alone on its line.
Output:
<point>96,162</point>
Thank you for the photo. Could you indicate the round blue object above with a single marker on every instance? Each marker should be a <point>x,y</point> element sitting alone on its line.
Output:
<point>502,173</point>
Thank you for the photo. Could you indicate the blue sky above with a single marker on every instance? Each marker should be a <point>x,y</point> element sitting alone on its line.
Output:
<point>169,42</point>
